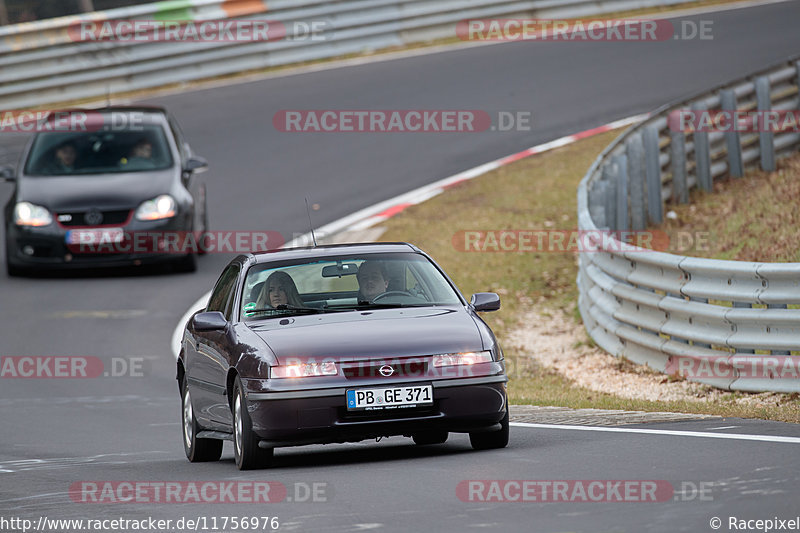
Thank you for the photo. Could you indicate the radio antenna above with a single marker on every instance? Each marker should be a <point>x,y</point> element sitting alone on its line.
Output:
<point>310,224</point>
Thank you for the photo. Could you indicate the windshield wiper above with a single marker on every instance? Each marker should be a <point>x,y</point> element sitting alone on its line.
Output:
<point>285,307</point>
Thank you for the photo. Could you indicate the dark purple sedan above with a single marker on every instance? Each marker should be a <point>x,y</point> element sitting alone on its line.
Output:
<point>338,344</point>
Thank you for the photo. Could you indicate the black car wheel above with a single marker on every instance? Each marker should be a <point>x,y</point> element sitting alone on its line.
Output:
<point>429,437</point>
<point>492,439</point>
<point>197,450</point>
<point>187,263</point>
<point>245,443</point>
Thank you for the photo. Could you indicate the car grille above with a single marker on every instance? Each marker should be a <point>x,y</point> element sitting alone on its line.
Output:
<point>416,368</point>
<point>79,218</point>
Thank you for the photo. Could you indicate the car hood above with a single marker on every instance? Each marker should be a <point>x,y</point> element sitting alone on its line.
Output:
<point>102,191</point>
<point>360,335</point>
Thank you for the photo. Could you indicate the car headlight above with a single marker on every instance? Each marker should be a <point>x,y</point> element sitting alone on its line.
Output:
<point>458,359</point>
<point>28,214</point>
<point>158,208</point>
<point>304,370</point>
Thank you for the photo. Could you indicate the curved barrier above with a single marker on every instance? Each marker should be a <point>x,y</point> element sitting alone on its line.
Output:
<point>42,62</point>
<point>730,324</point>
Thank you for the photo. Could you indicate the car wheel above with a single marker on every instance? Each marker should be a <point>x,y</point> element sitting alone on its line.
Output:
<point>197,450</point>
<point>245,443</point>
<point>13,271</point>
<point>492,439</point>
<point>429,437</point>
<point>187,263</point>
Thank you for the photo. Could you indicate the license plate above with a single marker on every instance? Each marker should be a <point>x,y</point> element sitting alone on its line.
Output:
<point>389,398</point>
<point>93,237</point>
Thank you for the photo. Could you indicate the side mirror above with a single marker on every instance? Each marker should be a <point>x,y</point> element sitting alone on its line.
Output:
<point>485,301</point>
<point>195,164</point>
<point>7,173</point>
<point>209,321</point>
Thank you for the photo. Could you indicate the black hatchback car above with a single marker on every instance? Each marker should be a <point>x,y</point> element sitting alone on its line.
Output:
<point>336,344</point>
<point>89,180</point>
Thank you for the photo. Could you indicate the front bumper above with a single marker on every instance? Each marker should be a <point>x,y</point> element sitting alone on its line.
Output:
<point>290,418</point>
<point>50,250</point>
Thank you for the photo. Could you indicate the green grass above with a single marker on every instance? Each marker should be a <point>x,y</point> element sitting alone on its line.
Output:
<point>538,192</point>
<point>754,218</point>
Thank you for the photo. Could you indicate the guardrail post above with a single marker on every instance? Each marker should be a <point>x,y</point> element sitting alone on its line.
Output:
<point>732,139</point>
<point>597,203</point>
<point>702,158</point>
<point>620,163</point>
<point>677,147</point>
<point>635,152</point>
<point>653,173</point>
<point>611,196</point>
<point>765,138</point>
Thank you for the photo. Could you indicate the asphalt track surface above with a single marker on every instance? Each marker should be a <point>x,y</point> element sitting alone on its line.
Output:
<point>55,432</point>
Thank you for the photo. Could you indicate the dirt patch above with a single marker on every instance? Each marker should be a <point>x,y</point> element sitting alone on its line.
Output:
<point>553,340</point>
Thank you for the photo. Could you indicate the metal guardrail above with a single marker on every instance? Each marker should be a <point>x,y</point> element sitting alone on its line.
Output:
<point>41,64</point>
<point>733,324</point>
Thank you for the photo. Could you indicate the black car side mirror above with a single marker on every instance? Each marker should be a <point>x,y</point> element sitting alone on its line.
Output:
<point>485,301</point>
<point>7,173</point>
<point>209,321</point>
<point>195,164</point>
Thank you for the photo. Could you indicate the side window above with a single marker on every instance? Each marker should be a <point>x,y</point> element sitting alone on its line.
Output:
<point>222,296</point>
<point>180,140</point>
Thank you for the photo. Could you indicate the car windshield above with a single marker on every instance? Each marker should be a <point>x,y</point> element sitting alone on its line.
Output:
<point>140,149</point>
<point>345,283</point>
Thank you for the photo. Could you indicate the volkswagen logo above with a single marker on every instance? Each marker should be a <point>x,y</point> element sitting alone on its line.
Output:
<point>93,217</point>
<point>386,371</point>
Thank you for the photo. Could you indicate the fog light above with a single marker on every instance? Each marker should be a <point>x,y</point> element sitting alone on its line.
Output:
<point>27,250</point>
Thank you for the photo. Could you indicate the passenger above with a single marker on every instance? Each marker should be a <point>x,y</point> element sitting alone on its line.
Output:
<point>279,290</point>
<point>372,280</point>
<point>140,155</point>
<point>64,159</point>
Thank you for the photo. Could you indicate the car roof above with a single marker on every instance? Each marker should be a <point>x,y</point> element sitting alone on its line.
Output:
<point>332,250</point>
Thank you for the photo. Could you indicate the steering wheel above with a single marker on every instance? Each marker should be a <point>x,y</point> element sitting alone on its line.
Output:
<point>390,293</point>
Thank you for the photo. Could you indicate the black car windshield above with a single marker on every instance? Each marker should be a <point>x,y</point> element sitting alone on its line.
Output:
<point>345,283</point>
<point>140,149</point>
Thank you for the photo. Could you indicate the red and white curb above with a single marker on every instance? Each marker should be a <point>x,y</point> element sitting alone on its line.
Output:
<point>377,213</point>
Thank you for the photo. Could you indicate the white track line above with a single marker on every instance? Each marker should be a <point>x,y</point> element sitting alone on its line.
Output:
<point>702,434</point>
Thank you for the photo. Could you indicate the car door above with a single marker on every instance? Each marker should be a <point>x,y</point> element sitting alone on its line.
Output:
<point>208,369</point>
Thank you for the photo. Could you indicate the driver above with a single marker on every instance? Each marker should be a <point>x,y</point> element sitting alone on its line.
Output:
<point>372,280</point>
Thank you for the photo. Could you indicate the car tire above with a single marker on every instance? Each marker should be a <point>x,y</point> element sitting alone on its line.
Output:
<point>425,438</point>
<point>197,450</point>
<point>493,439</point>
<point>246,452</point>
<point>13,271</point>
<point>187,264</point>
